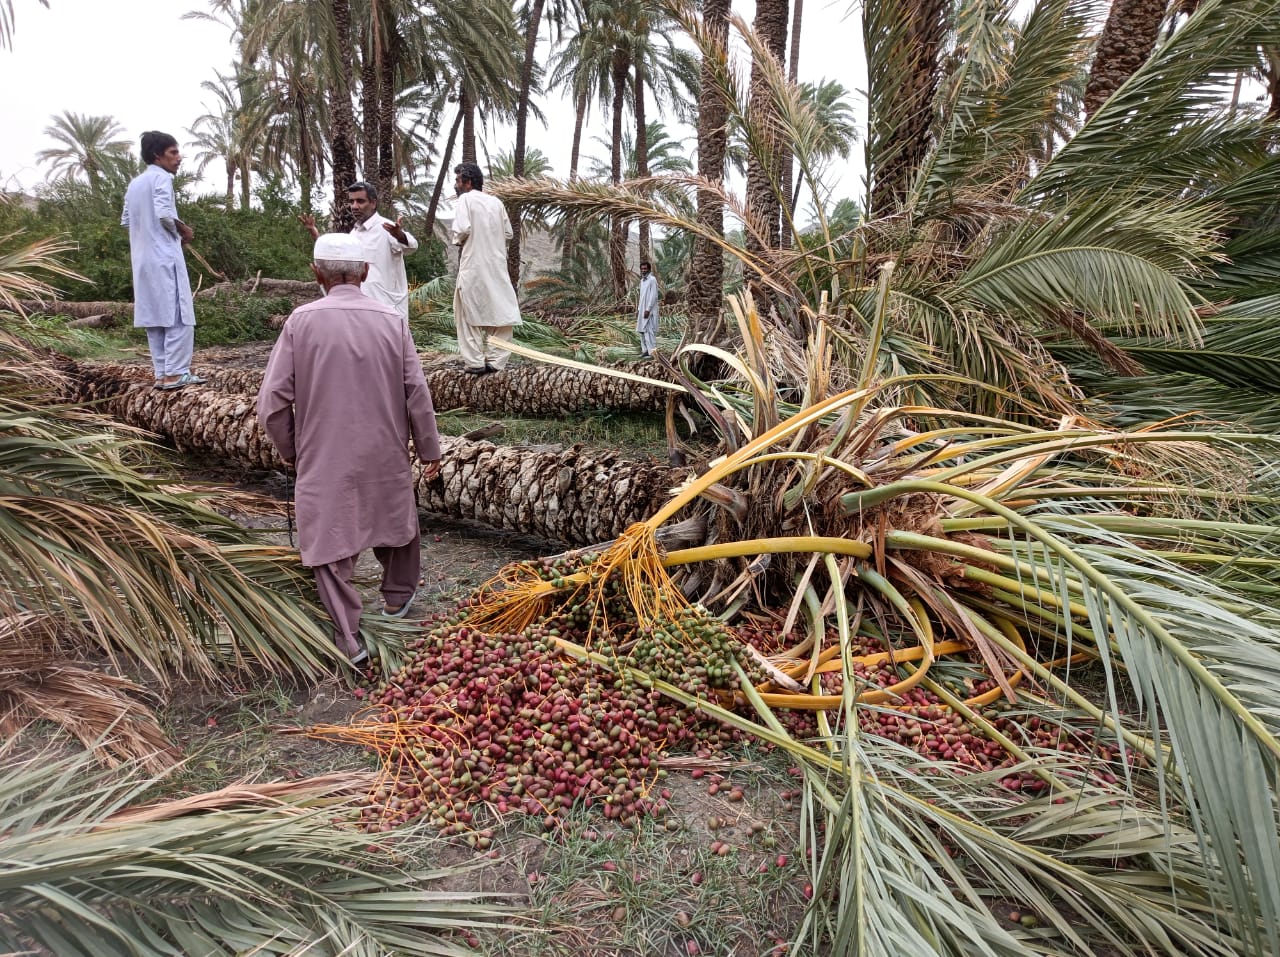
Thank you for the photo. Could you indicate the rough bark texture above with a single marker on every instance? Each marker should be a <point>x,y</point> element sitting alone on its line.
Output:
<point>369,102</point>
<point>903,129</point>
<point>468,106</point>
<point>387,119</point>
<point>574,496</point>
<point>619,70</point>
<point>520,390</point>
<point>1127,40</point>
<point>789,185</point>
<point>575,152</point>
<point>522,125</point>
<point>304,290</point>
<point>642,150</point>
<point>706,273</point>
<point>342,122</point>
<point>77,310</point>
<point>763,172</point>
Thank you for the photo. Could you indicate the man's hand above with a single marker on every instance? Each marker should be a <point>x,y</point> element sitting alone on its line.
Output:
<point>185,232</point>
<point>430,469</point>
<point>396,230</point>
<point>310,223</point>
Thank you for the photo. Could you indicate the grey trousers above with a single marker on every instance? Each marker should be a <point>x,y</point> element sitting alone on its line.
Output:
<point>171,348</point>
<point>401,566</point>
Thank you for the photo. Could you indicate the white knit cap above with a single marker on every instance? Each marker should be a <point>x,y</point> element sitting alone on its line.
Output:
<point>339,247</point>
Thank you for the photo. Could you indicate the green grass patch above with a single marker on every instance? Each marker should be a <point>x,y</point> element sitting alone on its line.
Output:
<point>654,888</point>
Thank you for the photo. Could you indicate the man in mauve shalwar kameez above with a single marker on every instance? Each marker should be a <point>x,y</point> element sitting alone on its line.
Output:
<point>343,392</point>
<point>484,303</point>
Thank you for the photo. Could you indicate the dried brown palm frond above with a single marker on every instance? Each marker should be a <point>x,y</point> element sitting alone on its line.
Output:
<point>337,786</point>
<point>27,370</point>
<point>40,681</point>
<point>19,265</point>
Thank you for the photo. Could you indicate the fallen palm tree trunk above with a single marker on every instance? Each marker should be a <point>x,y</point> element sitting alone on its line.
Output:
<point>76,310</point>
<point>574,496</point>
<point>302,289</point>
<point>529,390</point>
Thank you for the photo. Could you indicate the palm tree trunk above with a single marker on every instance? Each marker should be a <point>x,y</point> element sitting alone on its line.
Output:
<point>706,273</point>
<point>1126,41</point>
<point>446,159</point>
<point>575,154</point>
<point>577,497</point>
<point>246,184</point>
<point>387,114</point>
<point>529,389</point>
<point>905,129</point>
<point>763,171</point>
<point>306,162</point>
<point>642,150</point>
<point>522,124</point>
<point>617,227</point>
<point>790,188</point>
<point>468,106</point>
<point>371,54</point>
<point>231,184</point>
<point>342,121</point>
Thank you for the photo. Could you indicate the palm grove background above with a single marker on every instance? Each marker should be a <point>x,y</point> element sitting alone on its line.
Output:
<point>1024,386</point>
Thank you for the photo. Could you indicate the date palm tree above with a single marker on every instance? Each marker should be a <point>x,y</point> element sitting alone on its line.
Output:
<point>1127,39</point>
<point>89,147</point>
<point>233,130</point>
<point>706,277</point>
<point>765,158</point>
<point>531,20</point>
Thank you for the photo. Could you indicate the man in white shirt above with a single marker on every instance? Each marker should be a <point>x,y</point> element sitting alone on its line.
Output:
<point>647,311</point>
<point>484,302</point>
<point>385,244</point>
<point>161,288</point>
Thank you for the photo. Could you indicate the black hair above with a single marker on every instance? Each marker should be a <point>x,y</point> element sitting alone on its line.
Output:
<point>369,190</point>
<point>471,173</point>
<point>645,262</point>
<point>154,144</point>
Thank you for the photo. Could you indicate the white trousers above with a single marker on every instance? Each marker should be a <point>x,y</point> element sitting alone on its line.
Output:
<point>482,345</point>
<point>648,329</point>
<point>171,348</point>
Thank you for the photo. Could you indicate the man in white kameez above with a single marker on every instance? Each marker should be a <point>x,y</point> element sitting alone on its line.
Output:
<point>161,288</point>
<point>484,303</point>
<point>342,394</point>
<point>385,242</point>
<point>647,311</point>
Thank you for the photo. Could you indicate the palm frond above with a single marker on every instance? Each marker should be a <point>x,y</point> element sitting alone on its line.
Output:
<point>1165,125</point>
<point>40,681</point>
<point>254,870</point>
<point>1006,112</point>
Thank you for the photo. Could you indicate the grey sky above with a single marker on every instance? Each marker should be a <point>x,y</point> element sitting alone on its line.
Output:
<point>141,63</point>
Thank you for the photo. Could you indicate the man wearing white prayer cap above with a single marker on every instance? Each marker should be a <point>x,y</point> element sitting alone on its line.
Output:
<point>342,395</point>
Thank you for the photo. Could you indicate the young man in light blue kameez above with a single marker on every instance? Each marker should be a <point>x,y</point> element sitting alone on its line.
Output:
<point>161,289</point>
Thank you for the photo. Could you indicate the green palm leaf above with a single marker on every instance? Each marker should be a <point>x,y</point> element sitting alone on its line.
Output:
<point>85,874</point>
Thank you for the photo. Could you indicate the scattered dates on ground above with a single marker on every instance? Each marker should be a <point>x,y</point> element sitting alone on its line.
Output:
<point>477,724</point>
